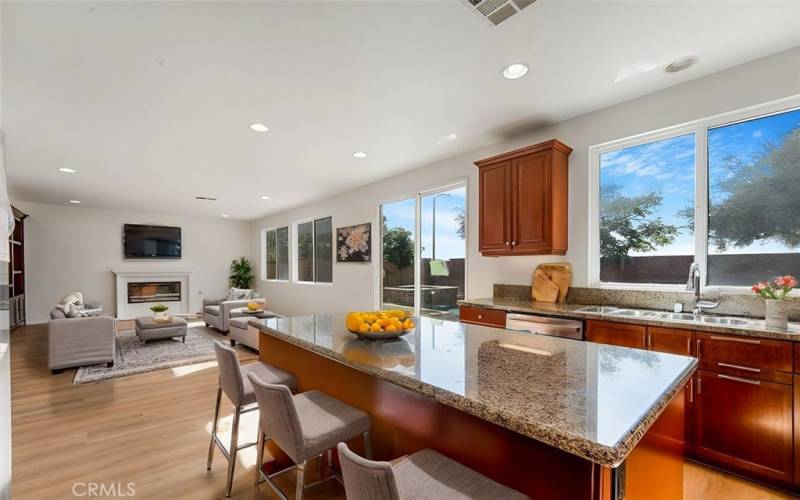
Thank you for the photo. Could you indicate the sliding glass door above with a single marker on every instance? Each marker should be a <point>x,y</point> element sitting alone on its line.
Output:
<point>423,252</point>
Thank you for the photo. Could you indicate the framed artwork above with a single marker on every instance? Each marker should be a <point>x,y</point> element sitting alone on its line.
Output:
<point>353,243</point>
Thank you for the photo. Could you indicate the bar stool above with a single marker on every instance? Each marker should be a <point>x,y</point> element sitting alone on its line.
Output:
<point>425,474</point>
<point>304,426</point>
<point>234,383</point>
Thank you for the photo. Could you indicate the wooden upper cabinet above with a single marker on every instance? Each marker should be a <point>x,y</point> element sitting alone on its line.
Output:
<point>495,208</point>
<point>523,201</point>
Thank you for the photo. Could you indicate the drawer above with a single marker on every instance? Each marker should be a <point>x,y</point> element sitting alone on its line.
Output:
<point>483,316</point>
<point>744,353</point>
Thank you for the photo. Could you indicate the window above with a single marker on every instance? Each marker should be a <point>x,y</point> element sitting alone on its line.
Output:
<point>276,254</point>
<point>722,192</point>
<point>314,251</point>
<point>645,190</point>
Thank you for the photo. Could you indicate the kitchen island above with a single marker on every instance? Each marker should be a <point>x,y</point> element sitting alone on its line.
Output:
<point>552,417</point>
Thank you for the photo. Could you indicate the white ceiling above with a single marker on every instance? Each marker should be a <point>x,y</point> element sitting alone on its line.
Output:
<point>151,102</point>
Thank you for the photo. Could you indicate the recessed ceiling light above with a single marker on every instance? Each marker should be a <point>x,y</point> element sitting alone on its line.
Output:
<point>680,64</point>
<point>67,170</point>
<point>265,197</point>
<point>259,127</point>
<point>360,155</point>
<point>514,71</point>
<point>225,216</point>
<point>75,202</point>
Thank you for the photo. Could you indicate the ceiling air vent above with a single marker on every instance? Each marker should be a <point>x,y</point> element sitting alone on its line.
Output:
<point>497,11</point>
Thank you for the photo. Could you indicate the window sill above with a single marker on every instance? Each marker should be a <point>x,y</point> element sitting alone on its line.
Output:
<point>312,283</point>
<point>275,281</point>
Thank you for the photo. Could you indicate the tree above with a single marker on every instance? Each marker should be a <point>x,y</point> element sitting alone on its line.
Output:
<point>398,247</point>
<point>626,223</point>
<point>759,200</point>
<point>461,220</point>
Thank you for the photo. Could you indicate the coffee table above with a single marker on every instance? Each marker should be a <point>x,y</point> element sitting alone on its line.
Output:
<point>149,329</point>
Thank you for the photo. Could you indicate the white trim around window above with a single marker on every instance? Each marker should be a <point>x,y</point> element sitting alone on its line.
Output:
<point>700,129</point>
<point>294,240</point>
<point>263,254</point>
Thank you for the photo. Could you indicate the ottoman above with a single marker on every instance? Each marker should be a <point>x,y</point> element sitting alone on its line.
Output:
<point>147,329</point>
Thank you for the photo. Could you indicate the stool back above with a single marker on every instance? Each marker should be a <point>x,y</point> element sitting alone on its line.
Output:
<point>366,479</point>
<point>230,373</point>
<point>278,417</point>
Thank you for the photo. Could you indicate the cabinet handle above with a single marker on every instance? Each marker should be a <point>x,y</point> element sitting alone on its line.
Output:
<point>739,367</point>
<point>480,316</point>
<point>699,386</point>
<point>691,390</point>
<point>508,243</point>
<point>732,339</point>
<point>513,242</point>
<point>649,340</point>
<point>737,379</point>
<point>697,346</point>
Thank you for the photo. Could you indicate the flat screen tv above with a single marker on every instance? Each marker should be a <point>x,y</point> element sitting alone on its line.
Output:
<point>151,242</point>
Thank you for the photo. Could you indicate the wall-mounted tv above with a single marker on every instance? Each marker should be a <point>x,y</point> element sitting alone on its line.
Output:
<point>151,242</point>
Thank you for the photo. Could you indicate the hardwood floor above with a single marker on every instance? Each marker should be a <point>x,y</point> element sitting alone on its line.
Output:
<point>152,430</point>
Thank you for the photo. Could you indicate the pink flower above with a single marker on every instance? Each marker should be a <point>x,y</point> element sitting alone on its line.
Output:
<point>786,281</point>
<point>757,288</point>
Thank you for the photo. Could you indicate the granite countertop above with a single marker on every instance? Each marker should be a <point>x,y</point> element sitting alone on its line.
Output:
<point>757,328</point>
<point>595,401</point>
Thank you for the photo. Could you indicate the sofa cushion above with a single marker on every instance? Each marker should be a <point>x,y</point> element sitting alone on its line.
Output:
<point>213,310</point>
<point>148,323</point>
<point>57,313</point>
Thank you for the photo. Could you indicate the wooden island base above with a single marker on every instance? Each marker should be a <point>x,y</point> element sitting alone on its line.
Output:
<point>404,422</point>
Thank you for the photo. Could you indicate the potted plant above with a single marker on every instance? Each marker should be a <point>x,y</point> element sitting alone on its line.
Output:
<point>160,312</point>
<point>774,292</point>
<point>242,274</point>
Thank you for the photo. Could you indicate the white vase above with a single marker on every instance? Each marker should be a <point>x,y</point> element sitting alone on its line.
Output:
<point>161,316</point>
<point>776,315</point>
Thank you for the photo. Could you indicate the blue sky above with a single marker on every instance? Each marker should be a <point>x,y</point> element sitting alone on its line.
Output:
<point>448,244</point>
<point>667,167</point>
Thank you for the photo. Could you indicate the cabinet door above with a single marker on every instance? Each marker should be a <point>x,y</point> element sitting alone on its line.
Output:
<point>620,334</point>
<point>744,424</point>
<point>495,209</point>
<point>530,206</point>
<point>670,340</point>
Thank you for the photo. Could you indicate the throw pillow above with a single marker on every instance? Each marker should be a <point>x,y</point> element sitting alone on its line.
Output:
<point>240,294</point>
<point>70,302</point>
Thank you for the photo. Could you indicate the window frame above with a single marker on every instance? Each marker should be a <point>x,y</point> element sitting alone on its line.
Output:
<point>294,240</point>
<point>700,128</point>
<point>263,260</point>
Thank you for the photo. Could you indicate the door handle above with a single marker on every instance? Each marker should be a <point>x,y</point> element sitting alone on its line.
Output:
<point>729,339</point>
<point>691,390</point>
<point>739,367</point>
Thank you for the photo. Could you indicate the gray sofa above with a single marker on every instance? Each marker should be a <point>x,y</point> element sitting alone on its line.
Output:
<point>217,313</point>
<point>80,341</point>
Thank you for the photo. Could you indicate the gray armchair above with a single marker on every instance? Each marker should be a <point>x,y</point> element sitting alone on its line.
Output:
<point>80,341</point>
<point>217,313</point>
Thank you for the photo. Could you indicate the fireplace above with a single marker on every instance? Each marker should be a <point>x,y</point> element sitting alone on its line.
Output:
<point>154,291</point>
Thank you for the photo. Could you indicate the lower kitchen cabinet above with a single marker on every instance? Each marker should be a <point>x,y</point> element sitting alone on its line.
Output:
<point>619,334</point>
<point>670,340</point>
<point>744,425</point>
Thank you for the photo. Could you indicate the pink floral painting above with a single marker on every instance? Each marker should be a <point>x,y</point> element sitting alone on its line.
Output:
<point>353,243</point>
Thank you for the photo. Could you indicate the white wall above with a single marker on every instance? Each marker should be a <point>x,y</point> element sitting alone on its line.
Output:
<point>354,287</point>
<point>74,248</point>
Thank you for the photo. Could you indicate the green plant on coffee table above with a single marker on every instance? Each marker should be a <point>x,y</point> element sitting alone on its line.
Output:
<point>159,308</point>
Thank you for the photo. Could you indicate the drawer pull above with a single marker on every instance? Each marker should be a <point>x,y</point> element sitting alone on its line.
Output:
<point>739,367</point>
<point>733,339</point>
<point>691,390</point>
<point>480,316</point>
<point>737,379</point>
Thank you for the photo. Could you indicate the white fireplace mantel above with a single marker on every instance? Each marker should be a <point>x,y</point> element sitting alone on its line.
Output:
<point>131,311</point>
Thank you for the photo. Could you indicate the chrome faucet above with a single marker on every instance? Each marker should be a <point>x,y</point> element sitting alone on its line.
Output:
<point>693,283</point>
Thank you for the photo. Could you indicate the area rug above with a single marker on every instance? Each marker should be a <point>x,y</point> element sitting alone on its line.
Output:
<point>132,357</point>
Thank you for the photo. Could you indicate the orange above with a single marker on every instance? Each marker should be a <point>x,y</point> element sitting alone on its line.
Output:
<point>391,328</point>
<point>408,324</point>
<point>363,328</point>
<point>375,327</point>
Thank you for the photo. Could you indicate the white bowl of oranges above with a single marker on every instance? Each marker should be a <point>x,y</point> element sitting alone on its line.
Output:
<point>387,324</point>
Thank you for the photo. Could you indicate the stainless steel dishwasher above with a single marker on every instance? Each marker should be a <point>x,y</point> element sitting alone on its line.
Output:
<point>544,325</point>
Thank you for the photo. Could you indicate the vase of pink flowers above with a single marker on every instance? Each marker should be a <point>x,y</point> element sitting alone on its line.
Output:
<point>774,292</point>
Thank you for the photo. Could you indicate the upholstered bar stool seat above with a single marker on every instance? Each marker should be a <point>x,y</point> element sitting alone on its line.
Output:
<point>425,474</point>
<point>235,383</point>
<point>304,426</point>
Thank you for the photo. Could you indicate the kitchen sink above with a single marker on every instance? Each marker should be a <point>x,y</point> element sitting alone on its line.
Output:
<point>636,313</point>
<point>716,320</point>
<point>598,309</point>
<point>677,316</point>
